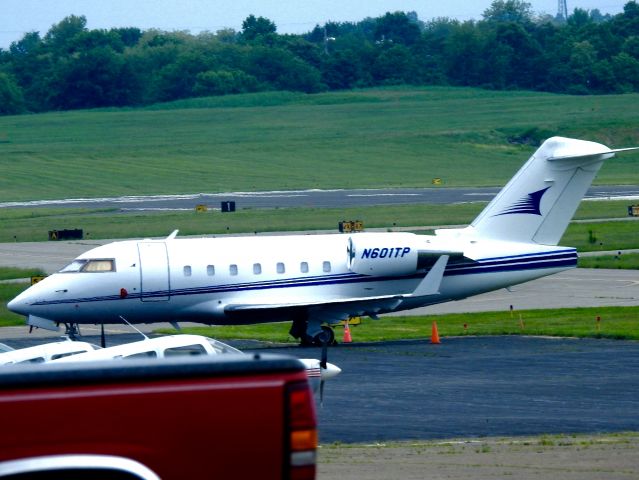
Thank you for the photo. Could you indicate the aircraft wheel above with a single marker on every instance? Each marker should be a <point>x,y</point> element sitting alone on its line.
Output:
<point>327,335</point>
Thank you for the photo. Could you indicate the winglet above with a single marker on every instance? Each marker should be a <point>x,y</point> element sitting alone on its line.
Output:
<point>431,282</point>
<point>172,235</point>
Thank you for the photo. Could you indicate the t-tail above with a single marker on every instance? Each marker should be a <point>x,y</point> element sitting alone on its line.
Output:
<point>541,199</point>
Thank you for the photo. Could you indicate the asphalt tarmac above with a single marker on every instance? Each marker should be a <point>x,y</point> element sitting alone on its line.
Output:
<point>469,387</point>
<point>480,386</point>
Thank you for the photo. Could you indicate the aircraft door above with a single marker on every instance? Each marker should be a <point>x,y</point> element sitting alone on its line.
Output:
<point>154,272</point>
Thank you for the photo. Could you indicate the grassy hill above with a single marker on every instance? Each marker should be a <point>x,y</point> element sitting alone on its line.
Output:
<point>279,140</point>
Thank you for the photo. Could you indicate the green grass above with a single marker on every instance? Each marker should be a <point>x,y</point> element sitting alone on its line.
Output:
<point>370,138</point>
<point>606,236</point>
<point>11,273</point>
<point>616,322</point>
<point>10,290</point>
<point>7,292</point>
<point>624,261</point>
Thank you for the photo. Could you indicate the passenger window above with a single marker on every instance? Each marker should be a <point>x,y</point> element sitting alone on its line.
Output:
<point>210,270</point>
<point>257,268</point>
<point>233,269</point>
<point>280,267</point>
<point>185,350</point>
<point>187,270</point>
<point>326,266</point>
<point>150,354</point>
<point>304,267</point>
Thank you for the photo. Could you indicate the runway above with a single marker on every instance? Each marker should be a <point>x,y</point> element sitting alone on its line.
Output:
<point>307,198</point>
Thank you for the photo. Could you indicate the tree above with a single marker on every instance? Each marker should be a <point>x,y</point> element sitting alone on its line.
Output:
<point>394,65</point>
<point>94,78</point>
<point>222,82</point>
<point>516,11</point>
<point>11,98</point>
<point>512,57</point>
<point>626,71</point>
<point>396,28</point>
<point>281,70</point>
<point>582,63</point>
<point>60,37</point>
<point>257,28</point>
<point>579,18</point>
<point>463,55</point>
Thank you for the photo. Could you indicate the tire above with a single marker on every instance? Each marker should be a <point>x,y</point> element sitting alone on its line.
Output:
<point>327,335</point>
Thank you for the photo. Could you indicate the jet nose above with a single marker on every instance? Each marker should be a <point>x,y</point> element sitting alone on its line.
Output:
<point>330,371</point>
<point>21,303</point>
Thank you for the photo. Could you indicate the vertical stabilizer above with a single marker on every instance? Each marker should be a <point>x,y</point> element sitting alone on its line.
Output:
<point>541,199</point>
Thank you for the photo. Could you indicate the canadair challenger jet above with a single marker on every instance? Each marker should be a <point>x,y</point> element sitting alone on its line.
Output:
<point>316,279</point>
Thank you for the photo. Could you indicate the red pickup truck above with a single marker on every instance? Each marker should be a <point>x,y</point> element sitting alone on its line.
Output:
<point>181,418</point>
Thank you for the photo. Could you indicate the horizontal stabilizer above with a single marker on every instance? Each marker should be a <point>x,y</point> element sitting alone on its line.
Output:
<point>591,155</point>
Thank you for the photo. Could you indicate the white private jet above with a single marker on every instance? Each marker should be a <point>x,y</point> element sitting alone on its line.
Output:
<point>316,279</point>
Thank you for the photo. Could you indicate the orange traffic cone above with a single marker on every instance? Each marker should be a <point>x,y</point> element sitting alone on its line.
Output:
<point>434,337</point>
<point>347,334</point>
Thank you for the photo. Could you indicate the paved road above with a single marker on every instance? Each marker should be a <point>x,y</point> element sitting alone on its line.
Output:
<point>308,198</point>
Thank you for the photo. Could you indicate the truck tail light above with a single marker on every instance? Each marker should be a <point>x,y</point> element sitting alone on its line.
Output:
<point>302,432</point>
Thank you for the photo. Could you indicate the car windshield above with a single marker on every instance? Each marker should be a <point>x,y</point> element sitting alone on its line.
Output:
<point>90,265</point>
<point>220,347</point>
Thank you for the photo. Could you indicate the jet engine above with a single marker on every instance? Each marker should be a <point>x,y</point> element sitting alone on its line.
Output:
<point>380,254</point>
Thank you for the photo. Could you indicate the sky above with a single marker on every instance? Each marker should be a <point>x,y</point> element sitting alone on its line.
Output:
<point>18,17</point>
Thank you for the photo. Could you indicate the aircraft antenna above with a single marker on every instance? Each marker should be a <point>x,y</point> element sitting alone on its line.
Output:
<point>131,325</point>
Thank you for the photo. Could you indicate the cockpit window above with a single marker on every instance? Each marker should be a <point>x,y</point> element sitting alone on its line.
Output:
<point>74,266</point>
<point>103,265</point>
<point>93,265</point>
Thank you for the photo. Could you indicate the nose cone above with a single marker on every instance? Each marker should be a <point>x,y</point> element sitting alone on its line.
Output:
<point>21,303</point>
<point>330,371</point>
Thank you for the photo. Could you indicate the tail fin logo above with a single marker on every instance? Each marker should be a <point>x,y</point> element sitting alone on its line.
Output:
<point>530,204</point>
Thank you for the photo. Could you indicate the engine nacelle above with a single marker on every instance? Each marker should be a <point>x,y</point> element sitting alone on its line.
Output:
<point>382,254</point>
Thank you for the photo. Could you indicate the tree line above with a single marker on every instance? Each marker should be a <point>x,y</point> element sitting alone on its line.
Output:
<point>511,47</point>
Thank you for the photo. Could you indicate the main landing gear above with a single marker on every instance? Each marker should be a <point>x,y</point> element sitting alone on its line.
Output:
<point>326,336</point>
